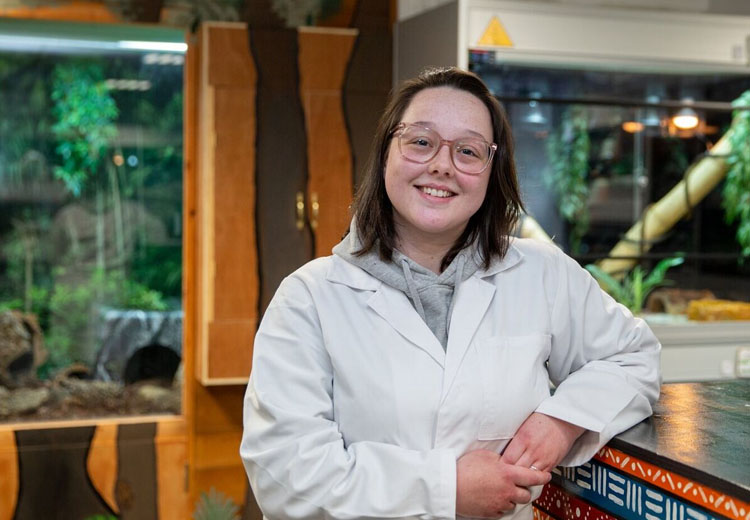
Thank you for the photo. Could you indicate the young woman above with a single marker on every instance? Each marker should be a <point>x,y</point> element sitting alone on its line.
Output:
<point>408,374</point>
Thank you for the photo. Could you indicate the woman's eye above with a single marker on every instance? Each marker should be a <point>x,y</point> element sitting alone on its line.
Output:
<point>468,151</point>
<point>421,141</point>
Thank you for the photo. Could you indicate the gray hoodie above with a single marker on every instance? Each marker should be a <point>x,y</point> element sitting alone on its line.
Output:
<point>432,295</point>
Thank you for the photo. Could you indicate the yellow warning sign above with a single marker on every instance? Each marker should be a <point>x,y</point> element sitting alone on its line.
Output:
<point>495,35</point>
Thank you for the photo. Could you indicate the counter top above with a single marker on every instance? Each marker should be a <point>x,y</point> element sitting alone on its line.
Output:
<point>700,430</point>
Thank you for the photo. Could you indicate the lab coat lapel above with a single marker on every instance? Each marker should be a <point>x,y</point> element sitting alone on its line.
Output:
<point>394,307</point>
<point>472,301</point>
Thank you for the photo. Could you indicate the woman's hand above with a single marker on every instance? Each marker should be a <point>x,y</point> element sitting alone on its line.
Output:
<point>487,487</point>
<point>541,441</point>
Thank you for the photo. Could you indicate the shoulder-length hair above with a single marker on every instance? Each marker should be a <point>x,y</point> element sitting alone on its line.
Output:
<point>492,223</point>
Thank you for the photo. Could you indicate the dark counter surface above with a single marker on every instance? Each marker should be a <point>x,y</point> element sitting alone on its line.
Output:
<point>700,430</point>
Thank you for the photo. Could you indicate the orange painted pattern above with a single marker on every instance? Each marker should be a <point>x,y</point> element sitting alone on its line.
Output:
<point>79,11</point>
<point>101,463</point>
<point>8,474</point>
<point>676,484</point>
<point>171,461</point>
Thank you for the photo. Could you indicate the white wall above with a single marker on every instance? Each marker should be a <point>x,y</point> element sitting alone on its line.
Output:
<point>408,8</point>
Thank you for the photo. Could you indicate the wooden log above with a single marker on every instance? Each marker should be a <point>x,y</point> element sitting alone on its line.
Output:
<point>664,214</point>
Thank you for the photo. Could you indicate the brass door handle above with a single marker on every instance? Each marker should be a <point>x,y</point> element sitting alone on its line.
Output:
<point>314,210</point>
<point>300,210</point>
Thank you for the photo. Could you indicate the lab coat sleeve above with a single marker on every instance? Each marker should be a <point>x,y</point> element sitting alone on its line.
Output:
<point>604,362</point>
<point>295,456</point>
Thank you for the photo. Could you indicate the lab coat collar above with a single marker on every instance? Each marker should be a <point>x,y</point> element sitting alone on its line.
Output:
<point>473,300</point>
<point>345,273</point>
<point>512,257</point>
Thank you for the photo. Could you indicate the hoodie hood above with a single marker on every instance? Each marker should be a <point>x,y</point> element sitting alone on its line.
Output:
<point>432,295</point>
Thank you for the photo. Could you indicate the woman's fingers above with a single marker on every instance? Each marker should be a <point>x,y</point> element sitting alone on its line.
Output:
<point>525,477</point>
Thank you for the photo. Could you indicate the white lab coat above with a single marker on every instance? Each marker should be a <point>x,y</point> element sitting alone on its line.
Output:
<point>355,411</point>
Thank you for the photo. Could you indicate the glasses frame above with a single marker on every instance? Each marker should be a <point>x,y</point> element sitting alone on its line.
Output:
<point>399,129</point>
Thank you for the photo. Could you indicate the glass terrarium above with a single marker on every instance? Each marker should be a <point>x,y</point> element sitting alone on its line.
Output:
<point>598,148</point>
<point>90,220</point>
<point>632,141</point>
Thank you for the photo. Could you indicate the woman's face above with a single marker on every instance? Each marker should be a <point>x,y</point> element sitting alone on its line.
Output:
<point>433,201</point>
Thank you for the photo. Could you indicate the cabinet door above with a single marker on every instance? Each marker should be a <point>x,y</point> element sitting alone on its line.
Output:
<point>324,56</point>
<point>274,175</point>
<point>227,292</point>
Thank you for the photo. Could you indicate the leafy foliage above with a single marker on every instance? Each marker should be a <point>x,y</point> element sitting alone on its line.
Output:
<point>72,305</point>
<point>568,151</point>
<point>215,506</point>
<point>85,115</point>
<point>636,285</point>
<point>736,192</point>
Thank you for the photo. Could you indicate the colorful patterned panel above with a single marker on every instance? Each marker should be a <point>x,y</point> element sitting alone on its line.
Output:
<point>555,502</point>
<point>627,497</point>
<point>674,483</point>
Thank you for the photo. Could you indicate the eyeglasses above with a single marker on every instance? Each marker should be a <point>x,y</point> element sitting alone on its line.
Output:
<point>469,155</point>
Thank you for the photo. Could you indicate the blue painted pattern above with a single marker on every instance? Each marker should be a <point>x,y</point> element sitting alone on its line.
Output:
<point>627,497</point>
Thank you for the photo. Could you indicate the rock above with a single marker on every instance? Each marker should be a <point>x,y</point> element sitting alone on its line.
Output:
<point>159,398</point>
<point>23,400</point>
<point>21,347</point>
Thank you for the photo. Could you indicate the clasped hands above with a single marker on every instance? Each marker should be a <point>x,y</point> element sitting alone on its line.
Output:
<point>489,485</point>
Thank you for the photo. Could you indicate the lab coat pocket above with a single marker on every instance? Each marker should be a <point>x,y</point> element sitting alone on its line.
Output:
<point>514,381</point>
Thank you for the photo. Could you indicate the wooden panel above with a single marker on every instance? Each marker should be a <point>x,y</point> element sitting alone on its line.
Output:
<point>323,59</point>
<point>218,409</point>
<point>136,476</point>
<point>227,292</point>
<point>52,474</point>
<point>9,472</point>
<point>171,467</point>
<point>281,160</point>
<point>101,463</point>
<point>231,481</point>
<point>229,59</point>
<point>368,78</point>
<point>230,349</point>
<point>218,450</point>
<point>78,11</point>
<point>235,277</point>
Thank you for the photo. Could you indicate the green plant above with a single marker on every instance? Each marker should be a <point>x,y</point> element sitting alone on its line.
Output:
<point>85,115</point>
<point>636,285</point>
<point>101,517</point>
<point>215,506</point>
<point>71,308</point>
<point>736,192</point>
<point>568,152</point>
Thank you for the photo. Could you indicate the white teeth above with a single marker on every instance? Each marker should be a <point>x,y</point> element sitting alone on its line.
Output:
<point>436,193</point>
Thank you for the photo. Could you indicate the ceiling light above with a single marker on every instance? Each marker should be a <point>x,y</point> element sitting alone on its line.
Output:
<point>632,127</point>
<point>686,119</point>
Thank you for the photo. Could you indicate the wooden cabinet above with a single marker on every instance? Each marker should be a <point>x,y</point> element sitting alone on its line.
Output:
<point>274,177</point>
<point>270,167</point>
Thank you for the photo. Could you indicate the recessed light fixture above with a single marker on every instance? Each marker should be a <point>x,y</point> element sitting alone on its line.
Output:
<point>686,119</point>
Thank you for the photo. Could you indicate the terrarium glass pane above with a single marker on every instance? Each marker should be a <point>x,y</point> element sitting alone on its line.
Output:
<point>596,147</point>
<point>90,226</point>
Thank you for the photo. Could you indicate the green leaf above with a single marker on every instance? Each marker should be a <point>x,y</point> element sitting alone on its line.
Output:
<point>609,283</point>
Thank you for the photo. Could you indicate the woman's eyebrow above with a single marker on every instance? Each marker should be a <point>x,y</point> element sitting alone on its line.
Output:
<point>431,126</point>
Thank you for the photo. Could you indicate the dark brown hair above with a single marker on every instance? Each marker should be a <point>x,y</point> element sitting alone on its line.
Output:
<point>492,223</point>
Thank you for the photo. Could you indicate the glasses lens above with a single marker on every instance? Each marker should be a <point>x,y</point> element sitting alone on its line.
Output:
<point>470,155</point>
<point>418,144</point>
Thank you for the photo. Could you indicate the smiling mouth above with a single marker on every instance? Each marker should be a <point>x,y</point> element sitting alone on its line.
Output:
<point>436,192</point>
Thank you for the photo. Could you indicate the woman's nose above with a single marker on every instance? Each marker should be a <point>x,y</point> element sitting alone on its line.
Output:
<point>442,162</point>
